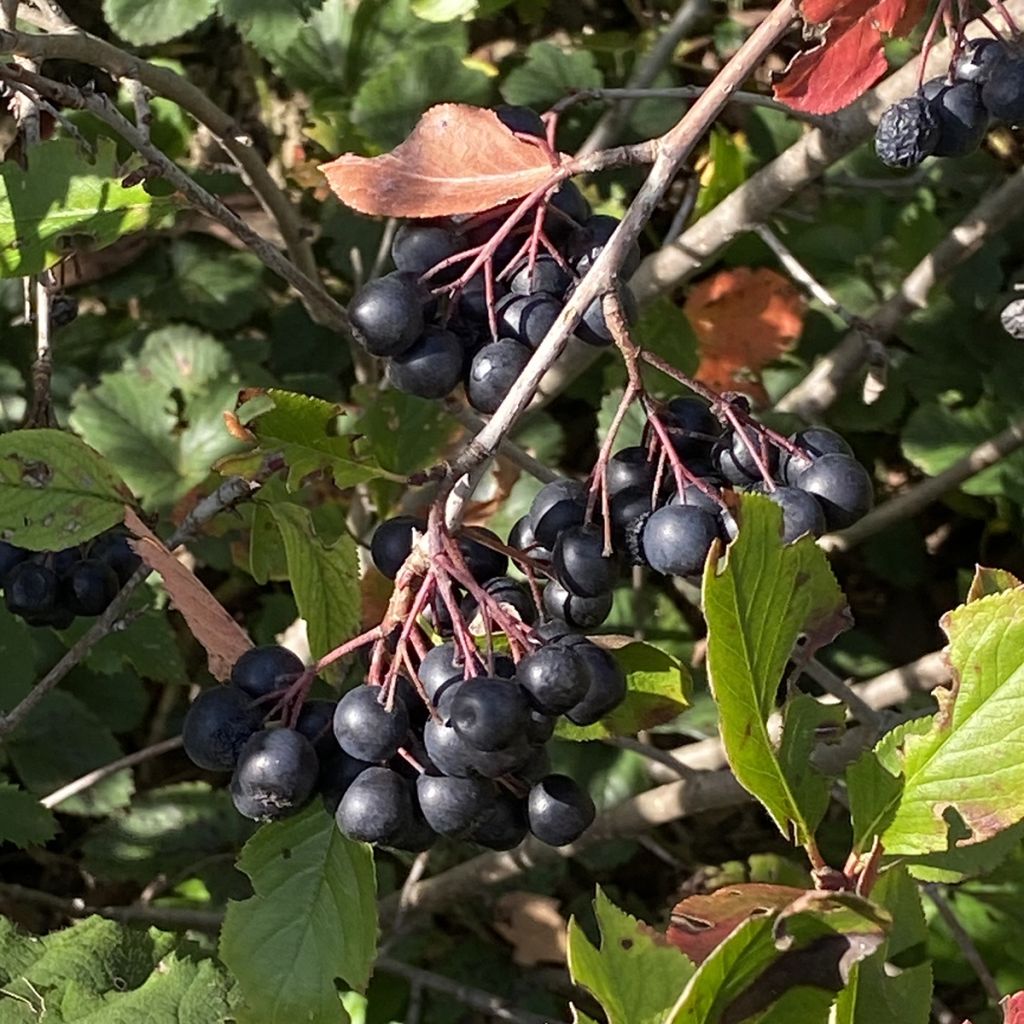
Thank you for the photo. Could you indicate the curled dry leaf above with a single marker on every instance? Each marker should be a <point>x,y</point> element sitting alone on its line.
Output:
<point>222,638</point>
<point>458,159</point>
<point>743,320</point>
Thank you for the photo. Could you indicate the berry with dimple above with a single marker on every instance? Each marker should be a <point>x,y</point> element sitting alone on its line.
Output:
<point>493,372</point>
<point>31,589</point>
<point>1003,91</point>
<point>559,810</point>
<point>489,713</point>
<point>677,538</point>
<point>557,506</point>
<point>483,562</point>
<point>429,368</point>
<point>801,512</point>
<point>814,441</point>
<point>629,467</point>
<point>377,807</point>
<point>842,485</point>
<point>365,728</point>
<point>736,456</point>
<point>979,59</point>
<point>262,670</point>
<point>447,750</point>
<point>691,426</point>
<point>907,133</point>
<point>575,611</point>
<point>439,666</point>
<point>217,725</point>
<point>275,774</point>
<point>962,117</point>
<point>547,276</point>
<point>521,537</point>
<point>606,682</point>
<point>553,678</point>
<point>387,313</point>
<point>418,248</point>
<point>453,806</point>
<point>584,245</point>
<point>10,556</point>
<point>580,563</point>
<point>391,544</point>
<point>506,591</point>
<point>88,587</point>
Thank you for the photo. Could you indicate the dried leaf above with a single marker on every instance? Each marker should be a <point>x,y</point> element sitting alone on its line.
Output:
<point>850,58</point>
<point>743,320</point>
<point>533,926</point>
<point>458,159</point>
<point>699,923</point>
<point>223,639</point>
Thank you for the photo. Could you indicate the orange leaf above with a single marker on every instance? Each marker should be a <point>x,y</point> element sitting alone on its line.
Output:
<point>743,320</point>
<point>223,639</point>
<point>699,923</point>
<point>458,159</point>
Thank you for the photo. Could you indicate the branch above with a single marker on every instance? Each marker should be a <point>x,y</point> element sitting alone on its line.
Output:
<point>671,150</point>
<point>919,496</point>
<point>72,44</point>
<point>820,388</point>
<point>328,311</point>
<point>755,200</point>
<point>508,449</point>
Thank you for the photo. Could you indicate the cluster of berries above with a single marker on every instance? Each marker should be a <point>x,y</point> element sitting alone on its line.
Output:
<point>949,116</point>
<point>460,753</point>
<point>438,328</point>
<point>52,588</point>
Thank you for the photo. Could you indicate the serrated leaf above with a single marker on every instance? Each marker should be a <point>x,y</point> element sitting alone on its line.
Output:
<point>56,491</point>
<point>404,433</point>
<point>967,761</point>
<point>549,74</point>
<point>62,194</point>
<point>184,358</point>
<point>391,100</point>
<point>164,831</point>
<point>658,689</point>
<point>664,330</point>
<point>100,972</point>
<point>874,793</point>
<point>219,288</point>
<point>60,740</point>
<point>324,578</point>
<point>149,645</point>
<point>23,820</point>
<point>145,22</point>
<point>990,581</point>
<point>305,431</point>
<point>312,922</point>
<point>634,974</point>
<point>757,601</point>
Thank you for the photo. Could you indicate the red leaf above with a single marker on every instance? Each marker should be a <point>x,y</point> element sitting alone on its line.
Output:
<point>850,59</point>
<point>458,159</point>
<point>1013,1009</point>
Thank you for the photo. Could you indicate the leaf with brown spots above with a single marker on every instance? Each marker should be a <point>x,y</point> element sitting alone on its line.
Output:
<point>458,159</point>
<point>990,581</point>
<point>743,319</point>
<point>222,638</point>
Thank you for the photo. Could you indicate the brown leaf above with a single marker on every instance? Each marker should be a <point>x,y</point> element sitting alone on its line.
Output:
<point>743,320</point>
<point>533,926</point>
<point>699,923</point>
<point>458,159</point>
<point>224,640</point>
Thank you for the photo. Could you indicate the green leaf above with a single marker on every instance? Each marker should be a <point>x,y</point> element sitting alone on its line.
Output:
<point>307,433</point>
<point>149,645</point>
<point>549,74</point>
<point>162,447</point>
<point>60,740</point>
<point>145,22</point>
<point>632,428</point>
<point>164,831</point>
<point>764,596</point>
<point>967,761</point>
<point>100,972</point>
<point>874,794</point>
<point>324,578</point>
<point>63,194</point>
<point>725,170</point>
<point>990,581</point>
<point>444,10</point>
<point>184,358</point>
<point>311,925</point>
<point>404,433</point>
<point>658,689</point>
<point>23,820</point>
<point>391,100</point>
<point>219,288</point>
<point>56,491</point>
<point>665,330</point>
<point>635,974</point>
<point>878,991</point>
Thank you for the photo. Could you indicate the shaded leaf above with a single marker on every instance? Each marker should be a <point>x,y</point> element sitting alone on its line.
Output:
<point>548,74</point>
<point>311,925</point>
<point>404,433</point>
<point>744,319</point>
<point>145,22</point>
<point>63,195</point>
<point>222,638</point>
<point>458,159</point>
<point>633,974</point>
<point>23,820</point>
<point>991,581</point>
<point>56,491</point>
<point>149,646</point>
<point>757,602</point>
<point>658,689</point>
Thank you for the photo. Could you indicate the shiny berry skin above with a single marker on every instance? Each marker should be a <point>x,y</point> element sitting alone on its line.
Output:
<point>262,670</point>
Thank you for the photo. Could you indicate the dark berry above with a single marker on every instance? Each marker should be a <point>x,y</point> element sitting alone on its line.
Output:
<point>10,556</point>
<point>559,811</point>
<point>629,467</point>
<point>493,372</point>
<point>696,497</point>
<point>509,760</point>
<point>735,460</point>
<point>625,509</point>
<point>540,727</point>
<point>691,426</point>
<point>489,713</point>
<point>677,538</point>
<point>440,665</point>
<point>586,242</point>
<point>979,59</point>
<point>113,548</point>
<point>606,682</point>
<point>392,543</point>
<point>801,513</point>
<point>483,562</point>
<point>506,591</point>
<point>217,725</point>
<point>365,728</point>
<point>503,826</point>
<point>377,807</point>
<point>31,589</point>
<point>387,313</point>
<point>262,670</point>
<point>453,806</point>
<point>546,275</point>
<point>337,772</point>
<point>88,587</point>
<point>418,248</point>
<point>275,774</point>
<point>553,678</point>
<point>429,368</point>
<point>842,485</point>
<point>576,612</point>
<point>907,133</point>
<point>568,209</point>
<point>814,441</point>
<point>521,120</point>
<point>447,750</point>
<point>962,117</point>
<point>315,722</point>
<point>521,537</point>
<point>557,506</point>
<point>580,563</point>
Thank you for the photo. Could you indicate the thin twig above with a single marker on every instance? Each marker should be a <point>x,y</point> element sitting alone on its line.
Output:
<point>964,941</point>
<point>84,782</point>
<point>662,757</point>
<point>507,449</point>
<point>842,690</point>
<point>919,496</point>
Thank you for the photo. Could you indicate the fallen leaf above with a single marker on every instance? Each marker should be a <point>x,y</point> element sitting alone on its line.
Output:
<point>1013,1009</point>
<point>533,926</point>
<point>222,638</point>
<point>458,159</point>
<point>850,57</point>
<point>699,923</point>
<point>743,320</point>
